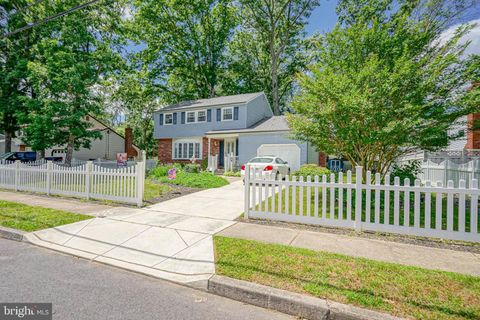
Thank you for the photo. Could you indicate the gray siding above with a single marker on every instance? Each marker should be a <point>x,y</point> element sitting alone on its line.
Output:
<point>249,143</point>
<point>258,109</point>
<point>198,129</point>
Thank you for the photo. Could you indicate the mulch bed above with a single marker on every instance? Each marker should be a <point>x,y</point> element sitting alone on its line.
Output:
<point>177,191</point>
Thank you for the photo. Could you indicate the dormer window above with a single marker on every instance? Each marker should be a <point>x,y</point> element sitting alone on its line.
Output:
<point>227,114</point>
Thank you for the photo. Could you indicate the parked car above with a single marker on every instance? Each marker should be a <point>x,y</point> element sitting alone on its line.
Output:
<point>25,156</point>
<point>270,166</point>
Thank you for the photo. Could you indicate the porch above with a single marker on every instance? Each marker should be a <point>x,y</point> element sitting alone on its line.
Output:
<point>222,152</point>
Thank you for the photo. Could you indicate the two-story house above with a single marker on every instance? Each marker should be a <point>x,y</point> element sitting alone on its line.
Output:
<point>239,125</point>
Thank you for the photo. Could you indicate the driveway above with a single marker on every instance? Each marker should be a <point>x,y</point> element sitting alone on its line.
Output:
<point>170,240</point>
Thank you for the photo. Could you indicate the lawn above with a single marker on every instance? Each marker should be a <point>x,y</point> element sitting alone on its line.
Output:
<point>30,218</point>
<point>154,189</point>
<point>203,180</point>
<point>400,290</point>
<point>334,210</point>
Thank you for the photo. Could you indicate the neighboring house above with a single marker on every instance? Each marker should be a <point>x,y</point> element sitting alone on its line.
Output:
<point>106,147</point>
<point>242,126</point>
<point>17,145</point>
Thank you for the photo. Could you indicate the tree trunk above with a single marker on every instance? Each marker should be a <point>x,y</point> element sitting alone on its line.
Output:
<point>275,102</point>
<point>8,141</point>
<point>69,153</point>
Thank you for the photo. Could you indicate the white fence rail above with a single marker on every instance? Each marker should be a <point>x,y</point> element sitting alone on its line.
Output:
<point>431,210</point>
<point>450,170</point>
<point>84,180</point>
<point>230,162</point>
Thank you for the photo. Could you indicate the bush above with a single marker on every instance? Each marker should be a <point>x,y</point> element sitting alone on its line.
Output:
<point>191,168</point>
<point>232,174</point>
<point>409,170</point>
<point>204,164</point>
<point>311,170</point>
<point>160,171</point>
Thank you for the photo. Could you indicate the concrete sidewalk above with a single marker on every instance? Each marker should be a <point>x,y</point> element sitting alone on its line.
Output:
<point>171,240</point>
<point>70,205</point>
<point>401,253</point>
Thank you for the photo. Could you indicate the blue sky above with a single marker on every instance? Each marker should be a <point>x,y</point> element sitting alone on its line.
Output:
<point>323,18</point>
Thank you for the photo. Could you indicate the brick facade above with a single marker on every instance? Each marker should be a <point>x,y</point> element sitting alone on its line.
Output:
<point>322,159</point>
<point>129,149</point>
<point>165,150</point>
<point>473,136</point>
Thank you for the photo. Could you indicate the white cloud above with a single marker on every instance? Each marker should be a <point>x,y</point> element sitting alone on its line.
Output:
<point>473,36</point>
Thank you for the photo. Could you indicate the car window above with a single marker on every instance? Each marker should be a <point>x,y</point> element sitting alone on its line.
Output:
<point>279,161</point>
<point>261,160</point>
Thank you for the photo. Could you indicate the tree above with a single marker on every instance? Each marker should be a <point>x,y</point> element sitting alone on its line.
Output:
<point>386,83</point>
<point>69,58</point>
<point>184,44</point>
<point>278,26</point>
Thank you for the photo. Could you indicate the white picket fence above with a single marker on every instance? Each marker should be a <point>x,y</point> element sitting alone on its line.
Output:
<point>450,170</point>
<point>429,210</point>
<point>87,180</point>
<point>230,162</point>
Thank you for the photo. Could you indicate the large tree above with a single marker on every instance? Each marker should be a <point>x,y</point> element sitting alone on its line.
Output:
<point>273,36</point>
<point>70,57</point>
<point>184,45</point>
<point>386,82</point>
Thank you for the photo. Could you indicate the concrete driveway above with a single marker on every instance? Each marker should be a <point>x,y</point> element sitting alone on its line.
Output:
<point>170,240</point>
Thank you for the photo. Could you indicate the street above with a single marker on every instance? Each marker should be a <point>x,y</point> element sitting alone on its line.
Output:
<point>80,289</point>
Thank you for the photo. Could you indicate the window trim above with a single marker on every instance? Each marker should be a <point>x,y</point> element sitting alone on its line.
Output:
<point>223,114</point>
<point>196,115</point>
<point>186,142</point>
<point>165,119</point>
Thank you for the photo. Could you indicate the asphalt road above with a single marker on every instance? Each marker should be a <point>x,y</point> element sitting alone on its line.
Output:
<point>80,289</point>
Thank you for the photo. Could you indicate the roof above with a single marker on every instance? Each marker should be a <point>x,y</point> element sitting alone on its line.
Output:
<point>201,103</point>
<point>275,123</point>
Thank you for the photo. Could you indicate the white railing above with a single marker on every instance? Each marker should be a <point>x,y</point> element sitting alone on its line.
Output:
<point>419,210</point>
<point>86,180</point>
<point>230,162</point>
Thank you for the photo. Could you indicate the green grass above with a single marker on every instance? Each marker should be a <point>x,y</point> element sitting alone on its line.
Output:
<point>390,206</point>
<point>232,174</point>
<point>400,290</point>
<point>203,180</point>
<point>30,218</point>
<point>154,189</point>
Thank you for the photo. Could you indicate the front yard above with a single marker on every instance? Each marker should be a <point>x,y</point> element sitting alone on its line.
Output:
<point>400,290</point>
<point>190,177</point>
<point>31,218</point>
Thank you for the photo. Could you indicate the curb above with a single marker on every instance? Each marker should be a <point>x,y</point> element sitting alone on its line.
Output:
<point>289,302</point>
<point>11,234</point>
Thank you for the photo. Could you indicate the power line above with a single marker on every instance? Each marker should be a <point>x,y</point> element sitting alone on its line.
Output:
<point>17,11</point>
<point>55,16</point>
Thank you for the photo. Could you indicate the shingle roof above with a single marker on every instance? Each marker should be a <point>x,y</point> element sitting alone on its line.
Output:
<point>275,123</point>
<point>235,99</point>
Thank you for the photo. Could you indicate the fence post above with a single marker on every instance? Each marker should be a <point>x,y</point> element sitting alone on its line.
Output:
<point>49,177</point>
<point>246,180</point>
<point>140,182</point>
<point>88,176</point>
<point>17,171</point>
<point>358,197</point>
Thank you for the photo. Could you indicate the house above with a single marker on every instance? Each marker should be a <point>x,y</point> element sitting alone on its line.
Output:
<point>107,147</point>
<point>239,126</point>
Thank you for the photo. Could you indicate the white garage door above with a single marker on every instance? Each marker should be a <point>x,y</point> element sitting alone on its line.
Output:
<point>287,152</point>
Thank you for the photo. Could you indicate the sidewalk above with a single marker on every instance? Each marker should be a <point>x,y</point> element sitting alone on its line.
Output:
<point>401,253</point>
<point>70,205</point>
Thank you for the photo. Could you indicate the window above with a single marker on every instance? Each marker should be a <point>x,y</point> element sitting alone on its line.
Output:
<point>168,118</point>
<point>187,149</point>
<point>227,114</point>
<point>191,117</point>
<point>201,116</point>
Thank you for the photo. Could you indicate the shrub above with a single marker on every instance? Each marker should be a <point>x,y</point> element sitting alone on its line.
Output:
<point>409,170</point>
<point>191,168</point>
<point>160,171</point>
<point>232,174</point>
<point>311,170</point>
<point>204,164</point>
<point>196,180</point>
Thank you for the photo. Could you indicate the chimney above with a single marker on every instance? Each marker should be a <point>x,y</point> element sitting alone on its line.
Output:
<point>473,136</point>
<point>129,149</point>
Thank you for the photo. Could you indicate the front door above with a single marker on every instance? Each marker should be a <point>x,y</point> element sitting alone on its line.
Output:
<point>221,155</point>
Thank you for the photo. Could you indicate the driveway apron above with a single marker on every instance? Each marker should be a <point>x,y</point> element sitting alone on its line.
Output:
<point>171,240</point>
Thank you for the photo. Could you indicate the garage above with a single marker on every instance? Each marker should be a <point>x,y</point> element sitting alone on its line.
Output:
<point>287,152</point>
